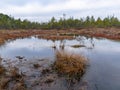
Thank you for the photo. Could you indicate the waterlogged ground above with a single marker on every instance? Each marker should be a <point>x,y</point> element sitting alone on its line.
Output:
<point>103,72</point>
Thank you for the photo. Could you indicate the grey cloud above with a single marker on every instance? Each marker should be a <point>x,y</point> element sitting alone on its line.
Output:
<point>43,10</point>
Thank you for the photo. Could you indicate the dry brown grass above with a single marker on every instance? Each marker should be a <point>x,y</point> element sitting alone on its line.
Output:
<point>4,83</point>
<point>45,34</point>
<point>77,46</point>
<point>3,79</point>
<point>12,80</point>
<point>55,37</point>
<point>2,70</point>
<point>2,41</point>
<point>71,65</point>
<point>14,73</point>
<point>112,33</point>
<point>19,86</point>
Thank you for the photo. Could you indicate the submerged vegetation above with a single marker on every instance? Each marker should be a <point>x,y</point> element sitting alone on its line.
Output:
<point>8,22</point>
<point>71,65</point>
<point>68,67</point>
<point>11,79</point>
<point>77,46</point>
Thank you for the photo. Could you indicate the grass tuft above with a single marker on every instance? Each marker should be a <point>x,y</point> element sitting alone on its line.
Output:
<point>77,46</point>
<point>71,65</point>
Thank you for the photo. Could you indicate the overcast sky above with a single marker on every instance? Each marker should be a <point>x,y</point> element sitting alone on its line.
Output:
<point>43,10</point>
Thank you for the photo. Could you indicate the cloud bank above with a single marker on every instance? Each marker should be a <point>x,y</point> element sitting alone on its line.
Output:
<point>42,10</point>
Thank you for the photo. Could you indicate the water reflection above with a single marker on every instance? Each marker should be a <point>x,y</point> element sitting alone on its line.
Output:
<point>103,54</point>
<point>28,47</point>
<point>39,48</point>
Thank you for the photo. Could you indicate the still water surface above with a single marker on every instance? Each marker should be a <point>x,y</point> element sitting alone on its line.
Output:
<point>103,54</point>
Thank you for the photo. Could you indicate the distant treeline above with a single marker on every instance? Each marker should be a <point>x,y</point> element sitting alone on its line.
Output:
<point>8,22</point>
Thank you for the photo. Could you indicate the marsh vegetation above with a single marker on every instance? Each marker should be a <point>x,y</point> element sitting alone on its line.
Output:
<point>72,66</point>
<point>54,55</point>
<point>11,78</point>
<point>69,67</point>
<point>31,63</point>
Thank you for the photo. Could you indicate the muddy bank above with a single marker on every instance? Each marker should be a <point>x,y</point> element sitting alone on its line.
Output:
<point>42,74</point>
<point>103,55</point>
<point>110,33</point>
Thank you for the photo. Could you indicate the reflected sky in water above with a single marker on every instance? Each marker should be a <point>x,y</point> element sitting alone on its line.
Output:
<point>104,57</point>
<point>28,47</point>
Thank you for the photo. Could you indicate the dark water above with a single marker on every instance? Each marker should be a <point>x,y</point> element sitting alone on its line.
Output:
<point>103,54</point>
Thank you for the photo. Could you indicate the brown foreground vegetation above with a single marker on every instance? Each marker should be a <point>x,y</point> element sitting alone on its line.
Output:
<point>71,65</point>
<point>67,67</point>
<point>11,79</point>
<point>77,46</point>
<point>110,33</point>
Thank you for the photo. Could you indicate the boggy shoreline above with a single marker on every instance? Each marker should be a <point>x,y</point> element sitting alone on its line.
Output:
<point>109,33</point>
